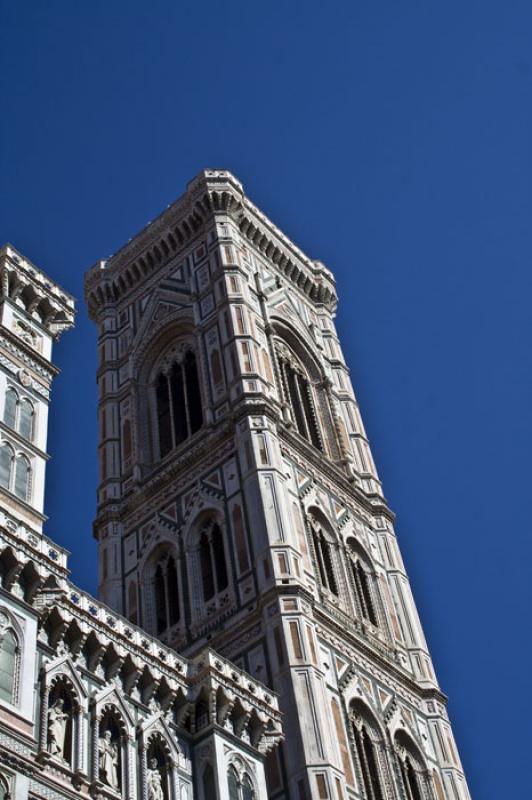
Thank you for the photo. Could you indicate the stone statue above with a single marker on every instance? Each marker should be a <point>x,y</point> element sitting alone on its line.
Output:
<point>154,781</point>
<point>108,760</point>
<point>57,724</point>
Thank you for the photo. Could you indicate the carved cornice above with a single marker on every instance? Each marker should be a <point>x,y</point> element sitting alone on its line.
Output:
<point>212,192</point>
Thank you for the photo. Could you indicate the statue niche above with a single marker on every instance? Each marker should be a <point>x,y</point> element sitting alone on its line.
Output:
<point>60,724</point>
<point>157,772</point>
<point>109,754</point>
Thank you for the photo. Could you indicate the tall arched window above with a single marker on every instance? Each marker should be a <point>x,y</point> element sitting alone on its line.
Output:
<point>8,664</point>
<point>22,477</point>
<point>232,782</point>
<point>25,419</point>
<point>212,562</point>
<point>166,594</point>
<point>298,393</point>
<point>19,414</point>
<point>179,405</point>
<point>10,408</point>
<point>410,766</point>
<point>363,582</point>
<point>324,557</point>
<point>6,465</point>
<point>367,742</point>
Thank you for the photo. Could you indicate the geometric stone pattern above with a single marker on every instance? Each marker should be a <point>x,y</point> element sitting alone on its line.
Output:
<point>317,604</point>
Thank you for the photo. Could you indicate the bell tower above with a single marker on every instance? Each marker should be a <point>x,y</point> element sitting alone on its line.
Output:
<point>239,504</point>
<point>33,313</point>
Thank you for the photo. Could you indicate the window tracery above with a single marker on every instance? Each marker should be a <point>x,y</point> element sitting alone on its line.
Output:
<point>212,561</point>
<point>165,585</point>
<point>15,471</point>
<point>9,660</point>
<point>19,414</point>
<point>239,784</point>
<point>411,768</point>
<point>323,550</point>
<point>179,411</point>
<point>298,394</point>
<point>363,582</point>
<point>367,743</point>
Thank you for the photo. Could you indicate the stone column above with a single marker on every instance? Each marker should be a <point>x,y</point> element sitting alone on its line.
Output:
<point>143,772</point>
<point>95,741</point>
<point>44,718</point>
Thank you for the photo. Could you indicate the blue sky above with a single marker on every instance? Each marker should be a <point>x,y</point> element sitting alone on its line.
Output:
<point>390,140</point>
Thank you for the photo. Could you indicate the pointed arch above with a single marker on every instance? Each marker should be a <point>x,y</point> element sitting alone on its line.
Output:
<point>208,564</point>
<point>412,766</point>
<point>363,581</point>
<point>165,587</point>
<point>368,740</point>
<point>10,407</point>
<point>10,657</point>
<point>22,477</point>
<point>26,414</point>
<point>324,546</point>
<point>7,457</point>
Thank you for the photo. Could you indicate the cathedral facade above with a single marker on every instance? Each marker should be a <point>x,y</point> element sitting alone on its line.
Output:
<point>255,634</point>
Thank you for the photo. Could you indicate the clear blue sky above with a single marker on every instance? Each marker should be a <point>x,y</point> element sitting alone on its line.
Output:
<point>392,140</point>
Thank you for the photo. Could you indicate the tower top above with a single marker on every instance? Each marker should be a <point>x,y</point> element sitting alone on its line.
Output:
<point>44,301</point>
<point>213,192</point>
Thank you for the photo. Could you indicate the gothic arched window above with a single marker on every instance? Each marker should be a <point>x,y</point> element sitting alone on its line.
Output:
<point>22,477</point>
<point>25,419</point>
<point>367,742</point>
<point>213,564</point>
<point>10,408</point>
<point>179,405</point>
<point>8,664</point>
<point>19,414</point>
<point>364,583</point>
<point>240,788</point>
<point>298,394</point>
<point>410,766</point>
<point>324,557</point>
<point>232,782</point>
<point>6,465</point>
<point>166,594</point>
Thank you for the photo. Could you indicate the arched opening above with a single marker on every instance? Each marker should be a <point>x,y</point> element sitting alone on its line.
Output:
<point>323,551</point>
<point>232,784</point>
<point>213,563</point>
<point>22,477</point>
<point>165,589</point>
<point>363,582</point>
<point>178,402</point>
<point>298,394</point>
<point>239,784</point>
<point>9,652</point>
<point>158,770</point>
<point>25,419</point>
<point>110,752</point>
<point>6,465</point>
<point>60,731</point>
<point>10,408</point>
<point>367,744</point>
<point>411,766</point>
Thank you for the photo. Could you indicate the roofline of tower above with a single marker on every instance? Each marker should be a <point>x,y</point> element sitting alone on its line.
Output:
<point>210,192</point>
<point>55,307</point>
<point>5,251</point>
